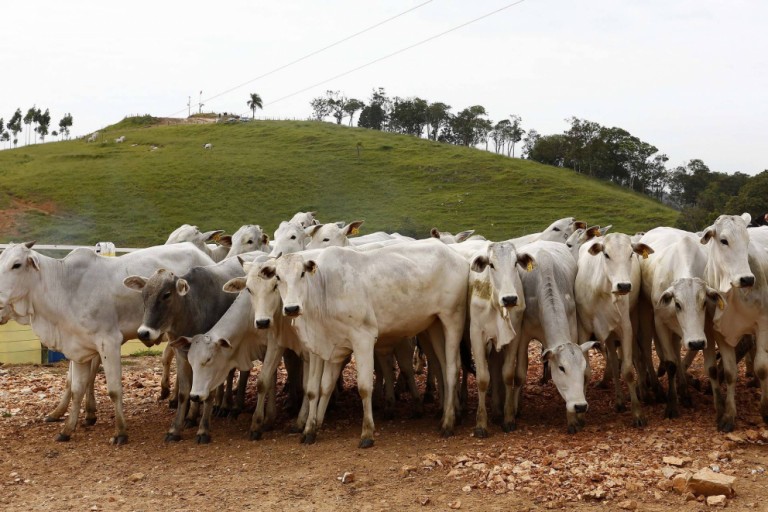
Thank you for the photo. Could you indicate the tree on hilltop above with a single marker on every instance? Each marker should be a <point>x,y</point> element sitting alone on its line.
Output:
<point>254,103</point>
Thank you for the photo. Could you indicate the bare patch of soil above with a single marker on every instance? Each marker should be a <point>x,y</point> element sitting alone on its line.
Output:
<point>9,217</point>
<point>538,467</point>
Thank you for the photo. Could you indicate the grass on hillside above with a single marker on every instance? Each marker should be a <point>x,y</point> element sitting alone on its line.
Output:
<point>262,172</point>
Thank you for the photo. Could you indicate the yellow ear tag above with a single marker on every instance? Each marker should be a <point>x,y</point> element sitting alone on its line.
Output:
<point>529,267</point>
<point>645,254</point>
<point>720,303</point>
<point>216,237</point>
<point>354,231</point>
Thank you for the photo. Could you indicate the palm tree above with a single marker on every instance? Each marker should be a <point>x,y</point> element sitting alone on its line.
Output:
<point>254,103</point>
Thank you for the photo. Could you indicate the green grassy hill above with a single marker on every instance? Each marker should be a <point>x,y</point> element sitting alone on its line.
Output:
<point>262,172</point>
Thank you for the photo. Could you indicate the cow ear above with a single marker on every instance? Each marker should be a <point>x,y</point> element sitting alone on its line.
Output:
<point>310,266</point>
<point>181,342</point>
<point>311,230</point>
<point>707,235</point>
<point>212,236</point>
<point>605,230</point>
<point>596,249</point>
<point>434,233</point>
<point>33,262</point>
<point>642,249</point>
<point>460,237</point>
<point>588,345</point>
<point>223,343</point>
<point>235,285</point>
<point>547,354</point>
<point>666,298</point>
<point>225,240</point>
<point>264,239</point>
<point>30,244</point>
<point>247,265</point>
<point>135,282</point>
<point>479,263</point>
<point>716,298</point>
<point>526,261</point>
<point>182,287</point>
<point>353,228</point>
<point>592,232</point>
<point>267,272</point>
<point>747,218</point>
<point>579,224</point>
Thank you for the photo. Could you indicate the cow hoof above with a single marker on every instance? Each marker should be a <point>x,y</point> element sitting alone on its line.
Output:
<point>234,414</point>
<point>222,413</point>
<point>295,429</point>
<point>89,422</point>
<point>509,426</point>
<point>671,414</point>
<point>62,438</point>
<point>256,435</point>
<point>51,419</point>
<point>190,423</point>
<point>164,393</point>
<point>365,443</point>
<point>446,432</point>
<point>621,408</point>
<point>725,426</point>
<point>173,404</point>
<point>480,432</point>
<point>309,438</point>
<point>175,438</point>
<point>572,429</point>
<point>639,422</point>
<point>119,440</point>
<point>203,439</point>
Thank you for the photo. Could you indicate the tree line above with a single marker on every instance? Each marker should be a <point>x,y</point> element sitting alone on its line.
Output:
<point>36,123</point>
<point>607,153</point>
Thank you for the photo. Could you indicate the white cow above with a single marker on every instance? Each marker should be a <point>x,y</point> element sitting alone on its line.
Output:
<point>345,301</point>
<point>607,288</point>
<point>304,219</point>
<point>448,238</point>
<point>208,146</point>
<point>120,139</point>
<point>737,268</point>
<point>332,235</point>
<point>558,231</point>
<point>79,306</point>
<point>289,237</point>
<point>248,238</point>
<point>550,317</point>
<point>674,305</point>
<point>189,233</point>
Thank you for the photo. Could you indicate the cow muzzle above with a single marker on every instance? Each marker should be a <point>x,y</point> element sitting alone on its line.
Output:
<point>581,408</point>
<point>262,323</point>
<point>623,288</point>
<point>697,344</point>
<point>745,281</point>
<point>194,398</point>
<point>292,310</point>
<point>509,301</point>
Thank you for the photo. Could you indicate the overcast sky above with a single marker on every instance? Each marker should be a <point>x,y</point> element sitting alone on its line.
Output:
<point>689,76</point>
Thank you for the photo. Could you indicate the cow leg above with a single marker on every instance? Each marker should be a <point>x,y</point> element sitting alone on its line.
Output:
<point>404,355</point>
<point>184,377</point>
<point>364,362</point>
<point>433,368</point>
<point>90,394</point>
<point>301,419</point>
<point>264,384</point>
<point>316,365</point>
<point>628,373</point>
<point>730,369</point>
<point>331,372</point>
<point>452,330</point>
<point>387,373</point>
<point>495,366</point>
<point>80,373</point>
<point>648,379</point>
<point>110,358</point>
<point>165,381</point>
<point>66,397</point>
<point>665,341</point>
<point>761,367</point>
<point>218,398</point>
<point>514,371</point>
<point>193,414</point>
<point>482,379</point>
<point>612,367</point>
<point>682,378</point>
<point>378,381</point>
<point>204,429</point>
<point>226,403</point>
<point>294,383</point>
<point>242,385</point>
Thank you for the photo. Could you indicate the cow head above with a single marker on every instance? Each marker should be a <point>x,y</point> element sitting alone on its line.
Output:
<point>261,285</point>
<point>304,219</point>
<point>162,295</point>
<point>331,235</point>
<point>500,259</point>
<point>617,253</point>
<point>728,243</point>
<point>689,300</point>
<point>247,239</point>
<point>292,273</point>
<point>189,233</point>
<point>448,238</point>
<point>579,237</point>
<point>19,265</point>
<point>561,229</point>
<point>210,359</point>
<point>289,238</point>
<point>570,368</point>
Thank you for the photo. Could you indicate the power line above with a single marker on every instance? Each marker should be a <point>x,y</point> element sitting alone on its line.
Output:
<point>432,38</point>
<point>312,53</point>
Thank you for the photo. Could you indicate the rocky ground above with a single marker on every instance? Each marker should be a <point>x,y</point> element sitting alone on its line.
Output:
<point>607,466</point>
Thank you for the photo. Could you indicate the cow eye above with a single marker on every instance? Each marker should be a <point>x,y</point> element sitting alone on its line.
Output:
<point>293,237</point>
<point>724,241</point>
<point>248,290</point>
<point>556,229</point>
<point>561,369</point>
<point>491,265</point>
<point>606,256</point>
<point>166,295</point>
<point>277,277</point>
<point>16,265</point>
<point>678,306</point>
<point>326,239</point>
<point>302,273</point>
<point>570,246</point>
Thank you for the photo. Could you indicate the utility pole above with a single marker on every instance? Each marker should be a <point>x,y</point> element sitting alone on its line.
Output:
<point>200,103</point>
<point>189,106</point>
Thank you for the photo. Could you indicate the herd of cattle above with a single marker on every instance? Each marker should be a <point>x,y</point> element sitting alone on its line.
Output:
<point>315,295</point>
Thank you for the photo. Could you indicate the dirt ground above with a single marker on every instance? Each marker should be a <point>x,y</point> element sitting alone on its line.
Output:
<point>607,466</point>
